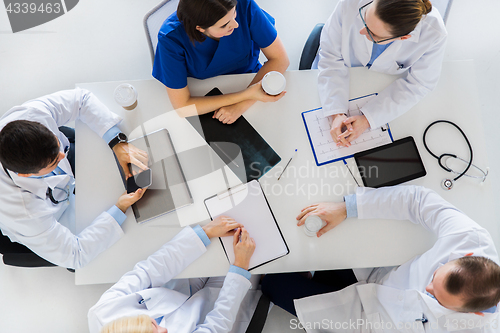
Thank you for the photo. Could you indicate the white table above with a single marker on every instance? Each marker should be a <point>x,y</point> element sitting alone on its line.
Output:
<point>355,243</point>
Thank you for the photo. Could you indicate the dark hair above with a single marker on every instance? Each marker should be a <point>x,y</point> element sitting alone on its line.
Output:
<point>27,146</point>
<point>203,13</point>
<point>477,279</point>
<point>402,16</point>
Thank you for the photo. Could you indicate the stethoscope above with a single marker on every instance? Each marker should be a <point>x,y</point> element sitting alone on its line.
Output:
<point>447,183</point>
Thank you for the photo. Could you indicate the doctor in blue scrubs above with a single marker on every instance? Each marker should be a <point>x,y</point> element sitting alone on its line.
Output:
<point>207,38</point>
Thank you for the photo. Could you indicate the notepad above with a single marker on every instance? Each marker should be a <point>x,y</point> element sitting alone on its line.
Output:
<point>248,205</point>
<point>325,150</point>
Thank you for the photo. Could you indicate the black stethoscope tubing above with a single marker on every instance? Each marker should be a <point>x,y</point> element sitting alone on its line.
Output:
<point>440,158</point>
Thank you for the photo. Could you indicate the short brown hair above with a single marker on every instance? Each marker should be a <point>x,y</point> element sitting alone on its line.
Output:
<point>27,146</point>
<point>477,279</point>
<point>402,16</point>
<point>203,13</point>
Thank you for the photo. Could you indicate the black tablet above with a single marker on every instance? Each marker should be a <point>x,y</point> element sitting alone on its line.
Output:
<point>390,164</point>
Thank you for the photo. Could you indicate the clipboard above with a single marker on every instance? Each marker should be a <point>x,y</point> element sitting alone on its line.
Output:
<point>325,150</point>
<point>239,144</point>
<point>247,204</point>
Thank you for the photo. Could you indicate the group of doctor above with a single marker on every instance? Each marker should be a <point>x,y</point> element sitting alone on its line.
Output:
<point>458,279</point>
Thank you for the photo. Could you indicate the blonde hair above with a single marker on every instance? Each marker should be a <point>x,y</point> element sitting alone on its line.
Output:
<point>135,324</point>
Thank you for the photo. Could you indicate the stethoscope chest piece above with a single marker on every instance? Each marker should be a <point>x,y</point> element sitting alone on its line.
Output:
<point>447,184</point>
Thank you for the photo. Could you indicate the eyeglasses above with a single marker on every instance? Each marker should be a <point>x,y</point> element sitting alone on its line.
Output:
<point>370,34</point>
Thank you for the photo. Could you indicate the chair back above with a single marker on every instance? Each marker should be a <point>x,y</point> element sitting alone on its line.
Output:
<point>15,254</point>
<point>443,7</point>
<point>154,20</point>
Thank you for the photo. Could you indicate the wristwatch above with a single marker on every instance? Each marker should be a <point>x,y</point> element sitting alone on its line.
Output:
<point>120,137</point>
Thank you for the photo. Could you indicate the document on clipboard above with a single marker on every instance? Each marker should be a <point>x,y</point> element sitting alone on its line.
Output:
<point>325,150</point>
<point>247,204</point>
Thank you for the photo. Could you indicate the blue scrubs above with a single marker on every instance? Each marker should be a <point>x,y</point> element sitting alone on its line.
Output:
<point>177,58</point>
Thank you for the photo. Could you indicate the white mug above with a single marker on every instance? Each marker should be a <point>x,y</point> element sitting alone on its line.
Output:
<point>273,83</point>
<point>126,96</point>
<point>312,225</point>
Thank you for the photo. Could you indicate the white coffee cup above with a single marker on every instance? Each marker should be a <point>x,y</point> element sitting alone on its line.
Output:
<point>312,225</point>
<point>126,96</point>
<point>273,83</point>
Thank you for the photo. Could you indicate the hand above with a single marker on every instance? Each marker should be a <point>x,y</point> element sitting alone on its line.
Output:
<point>222,226</point>
<point>331,212</point>
<point>229,114</point>
<point>337,128</point>
<point>127,153</point>
<point>244,246</point>
<point>127,200</point>
<point>355,125</point>
<point>256,92</point>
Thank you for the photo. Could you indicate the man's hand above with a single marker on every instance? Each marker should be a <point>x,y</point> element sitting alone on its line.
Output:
<point>221,227</point>
<point>244,246</point>
<point>229,114</point>
<point>256,92</point>
<point>337,128</point>
<point>355,126</point>
<point>331,212</point>
<point>127,200</point>
<point>129,154</point>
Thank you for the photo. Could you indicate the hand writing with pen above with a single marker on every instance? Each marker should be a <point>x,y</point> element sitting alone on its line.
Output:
<point>345,129</point>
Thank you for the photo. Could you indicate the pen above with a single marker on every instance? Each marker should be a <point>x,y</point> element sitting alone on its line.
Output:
<point>230,159</point>
<point>295,152</point>
<point>144,300</point>
<point>350,172</point>
<point>423,319</point>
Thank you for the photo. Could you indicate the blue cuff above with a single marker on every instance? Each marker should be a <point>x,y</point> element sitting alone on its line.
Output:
<point>117,214</point>
<point>203,236</point>
<point>240,271</point>
<point>111,133</point>
<point>351,205</point>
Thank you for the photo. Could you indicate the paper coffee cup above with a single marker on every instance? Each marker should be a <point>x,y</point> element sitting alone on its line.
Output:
<point>312,225</point>
<point>273,83</point>
<point>126,96</point>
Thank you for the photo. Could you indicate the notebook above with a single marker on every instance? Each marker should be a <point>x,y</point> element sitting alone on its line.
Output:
<point>247,204</point>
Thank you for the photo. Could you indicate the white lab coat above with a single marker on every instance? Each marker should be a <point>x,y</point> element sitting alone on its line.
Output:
<point>342,46</point>
<point>27,215</point>
<point>392,302</point>
<point>208,310</point>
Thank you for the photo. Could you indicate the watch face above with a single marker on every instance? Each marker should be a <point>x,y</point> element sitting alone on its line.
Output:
<point>122,137</point>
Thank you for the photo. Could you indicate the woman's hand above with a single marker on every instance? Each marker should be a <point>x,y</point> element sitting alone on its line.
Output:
<point>222,226</point>
<point>256,92</point>
<point>229,114</point>
<point>331,212</point>
<point>355,126</point>
<point>244,246</point>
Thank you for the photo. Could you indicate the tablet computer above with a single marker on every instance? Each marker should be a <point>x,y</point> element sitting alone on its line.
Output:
<point>390,164</point>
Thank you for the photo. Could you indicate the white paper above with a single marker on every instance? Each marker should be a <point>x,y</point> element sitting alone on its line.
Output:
<point>322,143</point>
<point>248,206</point>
